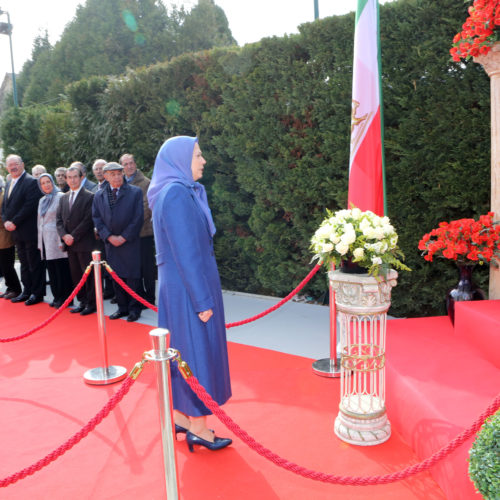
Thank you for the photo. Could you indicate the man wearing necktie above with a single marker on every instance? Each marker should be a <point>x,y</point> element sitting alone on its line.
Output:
<point>19,211</point>
<point>118,216</point>
<point>76,229</point>
<point>97,169</point>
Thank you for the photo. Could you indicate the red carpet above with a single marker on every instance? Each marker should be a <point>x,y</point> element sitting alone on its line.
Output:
<point>277,399</point>
<point>478,323</point>
<point>437,385</point>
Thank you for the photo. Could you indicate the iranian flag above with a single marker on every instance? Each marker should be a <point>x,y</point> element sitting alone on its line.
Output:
<point>366,166</point>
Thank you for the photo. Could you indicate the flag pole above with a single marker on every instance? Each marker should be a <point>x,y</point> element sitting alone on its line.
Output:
<point>381,93</point>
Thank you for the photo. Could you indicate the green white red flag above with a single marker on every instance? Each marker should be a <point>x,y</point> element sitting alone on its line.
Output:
<point>366,166</point>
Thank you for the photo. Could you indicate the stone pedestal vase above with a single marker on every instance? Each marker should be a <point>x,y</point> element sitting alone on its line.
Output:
<point>362,303</point>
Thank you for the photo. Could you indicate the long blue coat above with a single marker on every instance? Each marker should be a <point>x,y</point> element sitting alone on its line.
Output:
<point>125,219</point>
<point>189,283</point>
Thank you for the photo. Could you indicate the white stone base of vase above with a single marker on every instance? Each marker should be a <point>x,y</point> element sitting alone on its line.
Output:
<point>362,432</point>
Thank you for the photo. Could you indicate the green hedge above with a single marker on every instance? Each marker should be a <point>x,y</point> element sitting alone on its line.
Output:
<point>274,121</point>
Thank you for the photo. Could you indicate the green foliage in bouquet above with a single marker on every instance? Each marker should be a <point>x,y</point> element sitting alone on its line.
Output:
<point>361,237</point>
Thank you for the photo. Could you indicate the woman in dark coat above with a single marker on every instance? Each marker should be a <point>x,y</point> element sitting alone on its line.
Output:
<point>190,302</point>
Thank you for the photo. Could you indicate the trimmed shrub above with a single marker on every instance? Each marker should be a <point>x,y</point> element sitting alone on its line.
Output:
<point>484,459</point>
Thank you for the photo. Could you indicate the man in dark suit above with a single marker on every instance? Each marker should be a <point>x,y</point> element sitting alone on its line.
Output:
<point>98,171</point>
<point>19,211</point>
<point>7,259</point>
<point>76,229</point>
<point>108,290</point>
<point>60,176</point>
<point>118,216</point>
<point>86,183</point>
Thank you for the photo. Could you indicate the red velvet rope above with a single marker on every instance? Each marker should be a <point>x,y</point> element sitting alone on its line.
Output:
<point>302,284</point>
<point>76,438</point>
<point>55,314</point>
<point>129,290</point>
<point>331,478</point>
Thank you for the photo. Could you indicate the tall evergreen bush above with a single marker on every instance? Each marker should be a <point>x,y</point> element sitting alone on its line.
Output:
<point>274,124</point>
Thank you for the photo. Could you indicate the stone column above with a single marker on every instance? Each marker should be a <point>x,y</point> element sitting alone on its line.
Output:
<point>491,64</point>
<point>362,304</point>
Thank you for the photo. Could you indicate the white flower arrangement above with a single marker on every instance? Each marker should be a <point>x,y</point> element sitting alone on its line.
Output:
<point>361,237</point>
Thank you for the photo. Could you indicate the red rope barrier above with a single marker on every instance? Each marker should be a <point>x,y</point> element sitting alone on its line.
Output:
<point>76,438</point>
<point>55,314</point>
<point>331,478</point>
<point>129,290</point>
<point>301,285</point>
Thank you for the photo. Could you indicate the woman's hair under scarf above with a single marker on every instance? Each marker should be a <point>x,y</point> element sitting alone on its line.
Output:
<point>173,164</point>
<point>47,199</point>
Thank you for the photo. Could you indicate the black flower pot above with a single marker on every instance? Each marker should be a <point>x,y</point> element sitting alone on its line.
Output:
<point>465,290</point>
<point>348,266</point>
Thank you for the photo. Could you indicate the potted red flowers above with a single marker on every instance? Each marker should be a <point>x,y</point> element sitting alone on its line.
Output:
<point>479,32</point>
<point>467,242</point>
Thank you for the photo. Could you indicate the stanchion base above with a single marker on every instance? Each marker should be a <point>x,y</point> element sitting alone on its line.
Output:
<point>105,376</point>
<point>326,368</point>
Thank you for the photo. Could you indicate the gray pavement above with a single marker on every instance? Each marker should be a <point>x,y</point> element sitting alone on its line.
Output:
<point>295,328</point>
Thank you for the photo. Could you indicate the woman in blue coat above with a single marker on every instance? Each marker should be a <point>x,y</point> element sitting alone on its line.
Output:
<point>190,302</point>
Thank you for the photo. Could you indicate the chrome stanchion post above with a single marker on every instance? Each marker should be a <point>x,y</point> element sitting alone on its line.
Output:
<point>106,374</point>
<point>162,355</point>
<point>330,367</point>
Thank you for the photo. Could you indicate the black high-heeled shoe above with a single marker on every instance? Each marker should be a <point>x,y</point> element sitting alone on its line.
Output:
<point>179,430</point>
<point>218,444</point>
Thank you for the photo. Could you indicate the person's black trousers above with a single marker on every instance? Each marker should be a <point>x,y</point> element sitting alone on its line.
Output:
<point>78,262</point>
<point>32,268</point>
<point>126,304</point>
<point>7,259</point>
<point>61,284</point>
<point>148,269</point>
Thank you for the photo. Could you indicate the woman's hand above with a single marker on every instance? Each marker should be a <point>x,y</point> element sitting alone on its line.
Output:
<point>205,315</point>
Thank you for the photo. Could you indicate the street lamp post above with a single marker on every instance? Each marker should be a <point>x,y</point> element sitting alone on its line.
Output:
<point>6,29</point>
<point>316,10</point>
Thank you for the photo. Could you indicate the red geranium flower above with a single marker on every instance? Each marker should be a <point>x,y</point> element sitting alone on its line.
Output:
<point>479,30</point>
<point>464,240</point>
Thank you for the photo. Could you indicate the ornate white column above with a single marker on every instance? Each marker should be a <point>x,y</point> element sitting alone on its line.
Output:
<point>491,64</point>
<point>362,304</point>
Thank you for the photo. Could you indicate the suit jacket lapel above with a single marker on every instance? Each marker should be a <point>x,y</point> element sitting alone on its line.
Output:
<point>122,191</point>
<point>76,201</point>
<point>15,189</point>
<point>7,199</point>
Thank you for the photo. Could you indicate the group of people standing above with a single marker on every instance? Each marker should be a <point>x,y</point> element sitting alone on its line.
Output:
<point>55,225</point>
<point>117,212</point>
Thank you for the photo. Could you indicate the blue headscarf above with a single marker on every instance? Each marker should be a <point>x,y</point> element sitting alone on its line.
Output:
<point>173,164</point>
<point>47,199</point>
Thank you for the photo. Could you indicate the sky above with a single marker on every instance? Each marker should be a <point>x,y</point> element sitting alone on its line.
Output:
<point>249,20</point>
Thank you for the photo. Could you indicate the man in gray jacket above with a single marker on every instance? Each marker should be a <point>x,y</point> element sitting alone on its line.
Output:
<point>148,262</point>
